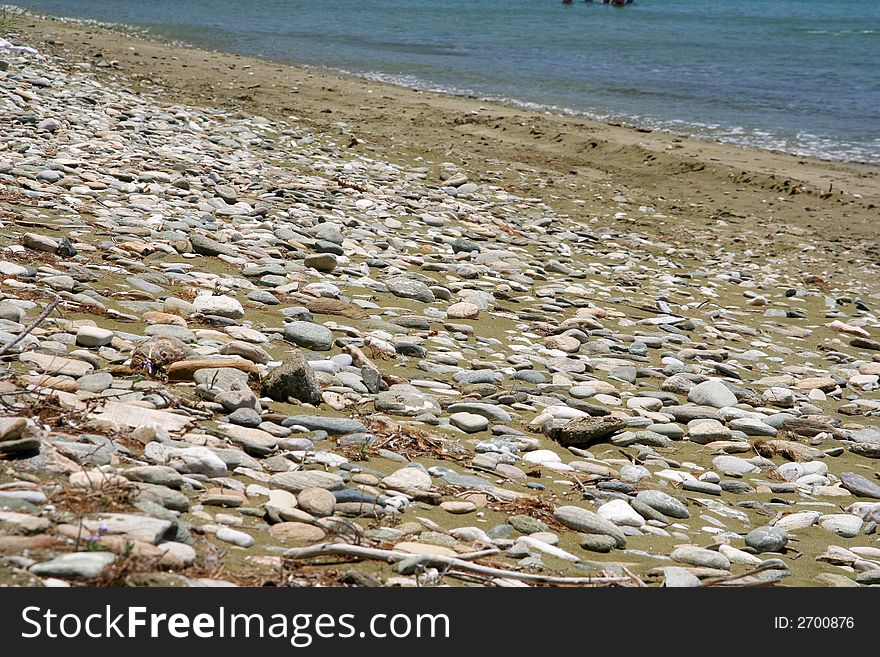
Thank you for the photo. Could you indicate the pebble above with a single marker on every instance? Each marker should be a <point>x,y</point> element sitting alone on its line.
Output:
<point>75,565</point>
<point>663,503</point>
<point>229,535</point>
<point>842,524</point>
<point>697,556</point>
<point>587,522</point>
<point>317,501</point>
<point>767,539</point>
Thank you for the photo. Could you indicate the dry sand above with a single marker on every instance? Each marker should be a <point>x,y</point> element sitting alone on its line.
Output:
<point>710,193</point>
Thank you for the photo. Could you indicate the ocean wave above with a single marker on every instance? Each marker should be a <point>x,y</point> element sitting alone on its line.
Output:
<point>839,32</point>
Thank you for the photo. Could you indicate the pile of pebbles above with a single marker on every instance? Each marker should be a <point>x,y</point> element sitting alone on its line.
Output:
<point>259,340</point>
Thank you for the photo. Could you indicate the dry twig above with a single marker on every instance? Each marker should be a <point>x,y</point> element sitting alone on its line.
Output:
<point>30,327</point>
<point>461,563</point>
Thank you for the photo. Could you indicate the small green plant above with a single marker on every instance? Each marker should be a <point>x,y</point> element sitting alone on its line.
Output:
<point>9,18</point>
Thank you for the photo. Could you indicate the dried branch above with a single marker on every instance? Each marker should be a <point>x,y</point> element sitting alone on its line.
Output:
<point>462,563</point>
<point>720,581</point>
<point>30,327</point>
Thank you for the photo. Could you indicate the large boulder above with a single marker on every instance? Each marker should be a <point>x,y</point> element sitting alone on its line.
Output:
<point>293,379</point>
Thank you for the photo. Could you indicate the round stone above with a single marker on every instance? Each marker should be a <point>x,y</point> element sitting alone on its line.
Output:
<point>463,310</point>
<point>767,539</point>
<point>317,501</point>
<point>309,335</point>
<point>712,393</point>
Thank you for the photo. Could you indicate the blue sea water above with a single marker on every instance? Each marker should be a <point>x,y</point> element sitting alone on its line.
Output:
<point>802,76</point>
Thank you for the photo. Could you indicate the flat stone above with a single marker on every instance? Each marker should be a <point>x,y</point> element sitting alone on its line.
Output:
<point>458,508</point>
<point>490,411</point>
<point>219,304</point>
<point>255,442</point>
<point>142,528</point>
<point>463,310</point>
<point>859,485</point>
<point>97,382</point>
<point>75,565</point>
<point>408,479</point>
<point>188,460</point>
<point>309,335</point>
<point>597,542</point>
<point>586,430</point>
<point>206,246</point>
<point>733,465</point>
<point>469,422</point>
<point>704,432</point>
<point>408,404</point>
<point>697,556</point>
<point>39,242</point>
<point>245,417</point>
<point>799,520</point>
<point>92,336</point>
<point>296,532</point>
<point>842,524</point>
<point>664,503</point>
<point>332,425</point>
<point>235,537</point>
<point>620,513</point>
<point>323,262</point>
<point>51,364</point>
<point>160,475</point>
<point>527,524</point>
<point>752,427</point>
<point>676,577</point>
<point>300,481</point>
<point>408,288</point>
<point>217,373</point>
<point>587,522</point>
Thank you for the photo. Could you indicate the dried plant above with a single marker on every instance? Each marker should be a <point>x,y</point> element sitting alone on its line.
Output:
<point>9,18</point>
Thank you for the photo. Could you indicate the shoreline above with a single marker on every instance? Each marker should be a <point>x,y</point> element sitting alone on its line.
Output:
<point>641,124</point>
<point>692,182</point>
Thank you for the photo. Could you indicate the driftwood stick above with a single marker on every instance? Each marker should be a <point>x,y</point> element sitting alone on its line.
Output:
<point>30,327</point>
<point>635,578</point>
<point>461,563</point>
<point>715,581</point>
